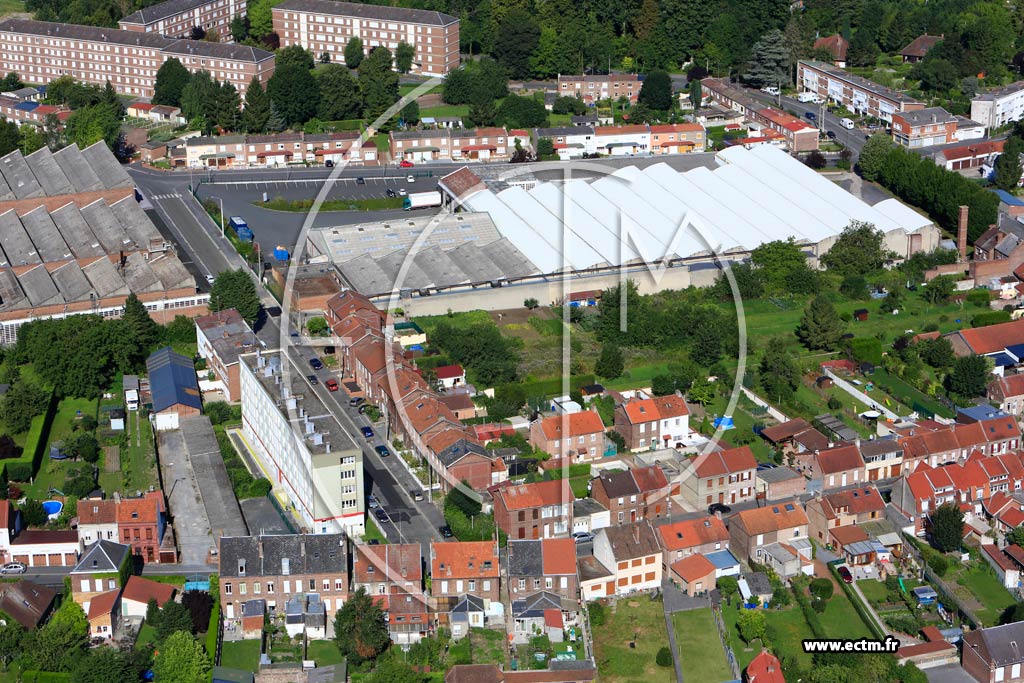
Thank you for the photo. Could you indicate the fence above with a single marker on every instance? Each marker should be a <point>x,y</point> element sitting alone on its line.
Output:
<point>723,637</point>
<point>944,590</point>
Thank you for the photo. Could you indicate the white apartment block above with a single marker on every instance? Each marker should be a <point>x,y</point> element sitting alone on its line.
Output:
<point>1000,106</point>
<point>302,449</point>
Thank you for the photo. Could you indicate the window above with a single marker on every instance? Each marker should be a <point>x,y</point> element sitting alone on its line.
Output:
<point>548,582</point>
<point>287,586</point>
<point>522,584</point>
<point>472,585</point>
<point>227,589</point>
<point>241,589</point>
<point>536,583</point>
<point>270,587</point>
<point>256,588</point>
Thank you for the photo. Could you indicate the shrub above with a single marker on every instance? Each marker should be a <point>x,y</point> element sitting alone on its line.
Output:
<point>939,564</point>
<point>822,589</point>
<point>597,613</point>
<point>664,657</point>
<point>834,403</point>
<point>19,471</point>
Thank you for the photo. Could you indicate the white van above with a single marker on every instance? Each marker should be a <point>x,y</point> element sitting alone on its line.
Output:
<point>846,123</point>
<point>770,90</point>
<point>806,97</point>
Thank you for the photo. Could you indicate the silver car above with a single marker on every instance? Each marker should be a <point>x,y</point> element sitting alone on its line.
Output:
<point>13,568</point>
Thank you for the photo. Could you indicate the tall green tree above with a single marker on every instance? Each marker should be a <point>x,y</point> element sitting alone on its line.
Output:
<point>947,527</point>
<point>294,93</point>
<point>404,55</point>
<point>873,155</point>
<point>354,53</point>
<point>239,28</point>
<point>656,91</point>
<point>261,22</point>
<point>361,633</point>
<point>11,637</point>
<point>518,35</point>
<point>610,363</point>
<point>969,377</point>
<point>393,670</point>
<point>294,54</point>
<point>181,660</point>
<point>378,83</point>
<point>457,87</point>
<point>174,618</point>
<point>59,644</point>
<point>257,108</point>
<point>22,402</point>
<point>171,79</point>
<point>93,124</point>
<point>198,95</point>
<point>770,61</point>
<point>235,289</point>
<point>105,665</point>
<point>696,96</point>
<point>859,250</point>
<point>224,110</point>
<point>340,98</point>
<point>11,81</point>
<point>516,111</point>
<point>820,326</point>
<point>684,23</point>
<point>144,330</point>
<point>1008,168</point>
<point>778,373</point>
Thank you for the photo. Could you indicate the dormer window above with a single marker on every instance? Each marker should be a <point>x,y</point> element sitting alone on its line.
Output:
<point>241,567</point>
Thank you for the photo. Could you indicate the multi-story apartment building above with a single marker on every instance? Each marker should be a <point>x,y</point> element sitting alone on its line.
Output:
<point>221,338</point>
<point>570,142</point>
<point>1000,106</point>
<point>593,88</point>
<point>300,446</point>
<point>544,565</point>
<point>924,127</point>
<point>725,477</point>
<point>41,51</point>
<point>853,92</point>
<point>842,508</point>
<point>277,568</point>
<point>393,575</point>
<point>542,509</point>
<point>267,151</point>
<point>632,495</point>
<point>177,18</point>
<point>579,436</point>
<point>447,144</point>
<point>325,26</point>
<point>798,135</point>
<point>464,568</point>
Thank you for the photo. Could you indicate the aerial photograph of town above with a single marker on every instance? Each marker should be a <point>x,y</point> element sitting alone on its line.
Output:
<point>511,341</point>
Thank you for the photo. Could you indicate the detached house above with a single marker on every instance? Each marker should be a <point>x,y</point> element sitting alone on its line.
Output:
<point>633,494</point>
<point>578,436</point>
<point>541,509</point>
<point>720,477</point>
<point>546,565</point>
<point>843,508</point>
<point>632,555</point>
<point>461,568</point>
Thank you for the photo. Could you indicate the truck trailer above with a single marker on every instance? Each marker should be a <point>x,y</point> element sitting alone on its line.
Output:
<point>241,228</point>
<point>422,200</point>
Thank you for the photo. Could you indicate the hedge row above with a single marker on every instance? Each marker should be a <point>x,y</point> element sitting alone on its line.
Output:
<point>44,677</point>
<point>862,611</point>
<point>36,445</point>
<point>810,616</point>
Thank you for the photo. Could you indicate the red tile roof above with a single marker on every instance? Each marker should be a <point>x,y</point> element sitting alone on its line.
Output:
<point>138,511</point>
<point>143,590</point>
<point>728,461</point>
<point>559,556</point>
<point>621,130</point>
<point>983,340</point>
<point>449,371</point>
<point>765,668</point>
<point>771,518</point>
<point>920,46</point>
<point>677,128</point>
<point>836,46</point>
<point>671,406</point>
<point>392,562</point>
<point>536,494</point>
<point>839,459</point>
<point>852,502</point>
<point>691,533</point>
<point>103,603</point>
<point>649,479</point>
<point>693,568</point>
<point>641,410</point>
<point>579,424</point>
<point>977,149</point>
<point>851,533</point>
<point>464,559</point>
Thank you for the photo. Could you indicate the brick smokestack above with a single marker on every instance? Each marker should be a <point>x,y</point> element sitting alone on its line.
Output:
<point>961,233</point>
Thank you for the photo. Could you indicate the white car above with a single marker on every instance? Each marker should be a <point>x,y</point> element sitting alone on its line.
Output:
<point>401,192</point>
<point>210,279</point>
<point>770,90</point>
<point>410,179</point>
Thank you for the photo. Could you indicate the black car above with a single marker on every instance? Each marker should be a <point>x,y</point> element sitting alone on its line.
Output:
<point>329,164</point>
<point>380,514</point>
<point>811,116</point>
<point>356,401</point>
<point>382,451</point>
<point>360,181</point>
<point>718,507</point>
<point>362,408</point>
<point>831,134</point>
<point>391,193</point>
<point>446,531</point>
<point>316,364</point>
<point>313,380</point>
<point>366,432</point>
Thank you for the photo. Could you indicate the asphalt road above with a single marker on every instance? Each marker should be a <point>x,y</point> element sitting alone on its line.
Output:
<point>853,140</point>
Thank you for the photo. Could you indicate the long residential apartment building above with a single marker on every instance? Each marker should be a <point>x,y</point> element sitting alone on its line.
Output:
<point>853,92</point>
<point>325,26</point>
<point>41,51</point>
<point>594,88</point>
<point>177,18</point>
<point>312,462</point>
<point>799,135</point>
<point>999,106</point>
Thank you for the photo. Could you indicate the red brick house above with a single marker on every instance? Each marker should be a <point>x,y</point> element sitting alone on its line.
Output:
<point>140,524</point>
<point>836,467</point>
<point>694,574</point>
<point>541,509</point>
<point>843,508</point>
<point>579,436</point>
<point>633,494</point>
<point>544,565</point>
<point>691,537</point>
<point>464,568</point>
<point>1008,392</point>
<point>719,477</point>
<point>393,574</point>
<point>649,423</point>
<point>923,491</point>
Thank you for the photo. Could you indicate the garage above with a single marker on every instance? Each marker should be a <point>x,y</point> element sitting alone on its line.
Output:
<point>174,387</point>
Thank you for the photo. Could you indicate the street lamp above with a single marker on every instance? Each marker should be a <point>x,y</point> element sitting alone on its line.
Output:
<point>223,230</point>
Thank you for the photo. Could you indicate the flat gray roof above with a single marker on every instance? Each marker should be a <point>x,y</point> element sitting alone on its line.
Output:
<point>212,478</point>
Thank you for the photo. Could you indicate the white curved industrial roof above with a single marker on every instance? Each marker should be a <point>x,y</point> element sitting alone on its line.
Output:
<point>755,196</point>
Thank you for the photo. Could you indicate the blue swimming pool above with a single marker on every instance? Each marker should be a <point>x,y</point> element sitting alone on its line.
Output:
<point>52,508</point>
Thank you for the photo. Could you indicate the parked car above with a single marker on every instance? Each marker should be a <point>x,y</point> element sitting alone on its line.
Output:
<point>331,384</point>
<point>446,531</point>
<point>410,179</point>
<point>362,408</point>
<point>401,192</point>
<point>371,501</point>
<point>382,451</point>
<point>366,432</point>
<point>583,537</point>
<point>328,163</point>
<point>316,364</point>
<point>356,401</point>
<point>831,134</point>
<point>406,164</point>
<point>313,380</point>
<point>719,507</point>
<point>811,116</point>
<point>210,279</point>
<point>416,494</point>
<point>770,90</point>
<point>360,181</point>
<point>13,568</point>
<point>380,514</point>
<point>390,193</point>
<point>845,575</point>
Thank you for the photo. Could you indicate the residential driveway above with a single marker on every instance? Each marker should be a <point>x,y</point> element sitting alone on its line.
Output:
<point>191,526</point>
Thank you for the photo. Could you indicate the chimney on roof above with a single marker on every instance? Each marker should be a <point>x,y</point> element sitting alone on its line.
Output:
<point>961,233</point>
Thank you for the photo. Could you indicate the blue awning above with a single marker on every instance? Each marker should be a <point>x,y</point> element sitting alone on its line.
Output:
<point>1003,360</point>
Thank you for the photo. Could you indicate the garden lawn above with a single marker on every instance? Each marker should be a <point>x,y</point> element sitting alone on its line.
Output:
<point>147,634</point>
<point>372,531</point>
<point>787,630</point>
<point>241,654</point>
<point>841,620</point>
<point>52,472</point>
<point>639,619</point>
<point>11,6</point>
<point>874,590</point>
<point>323,652</point>
<point>446,110</point>
<point>982,584</point>
<point>138,459</point>
<point>700,651</point>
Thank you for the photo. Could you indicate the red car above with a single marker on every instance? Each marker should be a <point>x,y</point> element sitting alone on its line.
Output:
<point>845,574</point>
<point>406,164</point>
<point>331,384</point>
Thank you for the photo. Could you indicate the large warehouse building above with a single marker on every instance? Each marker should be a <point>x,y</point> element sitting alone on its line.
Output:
<point>73,240</point>
<point>580,235</point>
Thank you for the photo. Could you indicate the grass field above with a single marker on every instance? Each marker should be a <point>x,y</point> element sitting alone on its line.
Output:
<point>147,635</point>
<point>242,654</point>
<point>639,620</point>
<point>840,619</point>
<point>304,205</point>
<point>446,110</point>
<point>700,651</point>
<point>137,466</point>
<point>11,6</point>
<point>52,472</point>
<point>323,652</point>
<point>786,630</point>
<point>981,584</point>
